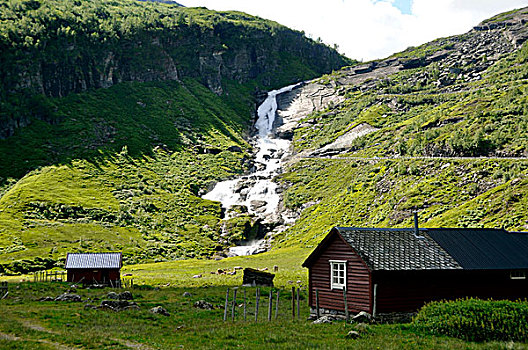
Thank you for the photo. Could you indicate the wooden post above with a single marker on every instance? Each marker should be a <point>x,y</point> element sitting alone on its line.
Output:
<point>257,300</point>
<point>346,304</point>
<point>375,301</point>
<point>270,304</point>
<point>317,303</point>
<point>298,303</point>
<point>277,305</point>
<point>293,303</point>
<point>245,305</point>
<point>234,304</point>
<point>225,306</point>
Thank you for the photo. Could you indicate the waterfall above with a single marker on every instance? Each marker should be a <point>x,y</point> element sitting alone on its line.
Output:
<point>259,193</point>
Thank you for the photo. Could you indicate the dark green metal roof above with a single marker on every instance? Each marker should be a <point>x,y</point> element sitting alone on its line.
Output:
<point>484,248</point>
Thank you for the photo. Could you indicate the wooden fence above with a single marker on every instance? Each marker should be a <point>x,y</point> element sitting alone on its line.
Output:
<point>60,276</point>
<point>272,311</point>
<point>49,276</point>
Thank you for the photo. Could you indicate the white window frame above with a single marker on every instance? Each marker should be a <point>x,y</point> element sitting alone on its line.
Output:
<point>517,275</point>
<point>337,264</point>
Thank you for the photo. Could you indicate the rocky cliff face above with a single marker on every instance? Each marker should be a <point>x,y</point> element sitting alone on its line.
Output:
<point>221,49</point>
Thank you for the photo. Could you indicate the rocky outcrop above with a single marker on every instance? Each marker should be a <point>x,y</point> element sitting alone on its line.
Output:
<point>74,63</point>
<point>457,59</point>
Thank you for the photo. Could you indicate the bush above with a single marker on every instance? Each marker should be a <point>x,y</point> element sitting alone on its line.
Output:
<point>475,320</point>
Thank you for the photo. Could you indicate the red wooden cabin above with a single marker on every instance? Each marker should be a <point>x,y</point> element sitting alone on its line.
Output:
<point>387,271</point>
<point>94,268</point>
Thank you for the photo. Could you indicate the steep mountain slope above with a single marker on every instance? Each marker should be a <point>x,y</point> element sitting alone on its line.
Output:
<point>116,115</point>
<point>441,128</point>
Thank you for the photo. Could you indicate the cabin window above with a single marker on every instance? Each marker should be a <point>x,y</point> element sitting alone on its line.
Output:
<point>517,275</point>
<point>338,274</point>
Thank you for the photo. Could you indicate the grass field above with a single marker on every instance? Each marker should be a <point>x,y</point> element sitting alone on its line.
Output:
<point>29,324</point>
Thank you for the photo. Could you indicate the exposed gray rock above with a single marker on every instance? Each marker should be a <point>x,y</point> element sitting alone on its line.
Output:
<point>118,305</point>
<point>69,297</point>
<point>160,310</point>
<point>235,149</point>
<point>325,319</point>
<point>46,299</point>
<point>362,317</point>
<point>353,335</point>
<point>186,294</point>
<point>112,295</point>
<point>126,295</point>
<point>202,304</point>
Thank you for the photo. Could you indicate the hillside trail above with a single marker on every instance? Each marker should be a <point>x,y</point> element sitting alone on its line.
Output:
<point>410,158</point>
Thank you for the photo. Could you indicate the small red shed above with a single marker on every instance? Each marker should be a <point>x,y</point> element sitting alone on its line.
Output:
<point>390,271</point>
<point>94,268</point>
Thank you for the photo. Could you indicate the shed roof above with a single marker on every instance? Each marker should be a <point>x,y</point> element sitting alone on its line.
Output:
<point>94,261</point>
<point>438,249</point>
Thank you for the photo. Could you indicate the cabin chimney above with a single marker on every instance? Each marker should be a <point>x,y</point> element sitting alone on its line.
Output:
<point>416,228</point>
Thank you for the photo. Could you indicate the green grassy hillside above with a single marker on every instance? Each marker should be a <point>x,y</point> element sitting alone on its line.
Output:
<point>115,116</point>
<point>455,150</point>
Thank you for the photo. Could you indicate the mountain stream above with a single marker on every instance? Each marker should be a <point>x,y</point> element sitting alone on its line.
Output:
<point>256,191</point>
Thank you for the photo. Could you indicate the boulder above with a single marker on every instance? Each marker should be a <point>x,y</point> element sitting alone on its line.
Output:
<point>112,295</point>
<point>186,294</point>
<point>362,317</point>
<point>46,299</point>
<point>118,305</point>
<point>204,305</point>
<point>325,319</point>
<point>235,149</point>
<point>69,297</point>
<point>353,335</point>
<point>160,310</point>
<point>126,295</point>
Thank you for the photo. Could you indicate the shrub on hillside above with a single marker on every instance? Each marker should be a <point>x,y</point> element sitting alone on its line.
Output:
<point>475,320</point>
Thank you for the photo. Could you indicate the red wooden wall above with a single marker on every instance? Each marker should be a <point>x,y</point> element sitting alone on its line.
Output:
<point>93,276</point>
<point>358,279</point>
<point>400,291</point>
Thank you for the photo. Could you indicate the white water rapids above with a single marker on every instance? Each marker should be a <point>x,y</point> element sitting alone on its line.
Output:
<point>260,196</point>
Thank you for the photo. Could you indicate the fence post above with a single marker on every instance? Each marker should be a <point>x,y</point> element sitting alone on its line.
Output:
<point>225,306</point>
<point>346,304</point>
<point>277,305</point>
<point>234,304</point>
<point>257,300</point>
<point>317,303</point>
<point>293,303</point>
<point>270,304</point>
<point>298,303</point>
<point>244,304</point>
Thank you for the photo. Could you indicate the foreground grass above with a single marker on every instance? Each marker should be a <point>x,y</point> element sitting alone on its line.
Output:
<point>29,324</point>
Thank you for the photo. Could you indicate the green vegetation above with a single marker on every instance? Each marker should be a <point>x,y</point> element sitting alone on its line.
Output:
<point>479,119</point>
<point>141,200</point>
<point>382,193</point>
<point>475,320</point>
<point>52,324</point>
<point>116,116</point>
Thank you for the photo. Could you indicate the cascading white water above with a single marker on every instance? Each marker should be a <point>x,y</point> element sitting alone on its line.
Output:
<point>260,196</point>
